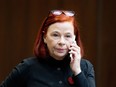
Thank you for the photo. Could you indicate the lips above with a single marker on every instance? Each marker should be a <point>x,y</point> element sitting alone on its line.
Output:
<point>60,50</point>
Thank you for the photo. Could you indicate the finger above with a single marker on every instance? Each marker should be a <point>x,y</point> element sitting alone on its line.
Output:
<point>75,54</point>
<point>71,59</point>
<point>77,49</point>
<point>74,45</point>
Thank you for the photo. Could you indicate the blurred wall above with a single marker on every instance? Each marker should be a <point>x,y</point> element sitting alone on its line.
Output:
<point>21,19</point>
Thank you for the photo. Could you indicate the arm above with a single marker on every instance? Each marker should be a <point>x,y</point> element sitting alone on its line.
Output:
<point>83,70</point>
<point>14,79</point>
<point>86,78</point>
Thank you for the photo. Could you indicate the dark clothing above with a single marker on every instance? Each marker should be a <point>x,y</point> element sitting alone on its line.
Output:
<point>34,72</point>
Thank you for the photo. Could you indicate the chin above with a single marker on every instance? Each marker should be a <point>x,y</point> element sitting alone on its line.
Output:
<point>60,57</point>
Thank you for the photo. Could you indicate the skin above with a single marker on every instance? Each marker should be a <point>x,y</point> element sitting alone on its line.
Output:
<point>59,40</point>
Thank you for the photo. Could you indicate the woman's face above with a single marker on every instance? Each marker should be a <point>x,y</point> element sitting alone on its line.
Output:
<point>58,39</point>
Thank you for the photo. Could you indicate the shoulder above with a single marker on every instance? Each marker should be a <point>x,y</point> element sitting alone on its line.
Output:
<point>29,61</point>
<point>25,64</point>
<point>86,65</point>
<point>86,62</point>
<point>19,72</point>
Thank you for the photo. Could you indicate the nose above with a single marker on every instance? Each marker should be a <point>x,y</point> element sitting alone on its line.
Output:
<point>61,41</point>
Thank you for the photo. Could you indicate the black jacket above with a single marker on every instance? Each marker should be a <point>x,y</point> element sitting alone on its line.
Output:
<point>34,72</point>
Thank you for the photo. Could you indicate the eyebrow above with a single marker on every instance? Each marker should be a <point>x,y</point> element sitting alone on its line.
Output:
<point>59,32</point>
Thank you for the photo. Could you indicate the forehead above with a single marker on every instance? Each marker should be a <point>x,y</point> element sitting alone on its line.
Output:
<point>61,27</point>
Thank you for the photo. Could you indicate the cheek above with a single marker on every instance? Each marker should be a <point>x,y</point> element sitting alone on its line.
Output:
<point>68,43</point>
<point>51,44</point>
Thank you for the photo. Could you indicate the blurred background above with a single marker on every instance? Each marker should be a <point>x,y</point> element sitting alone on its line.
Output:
<point>21,19</point>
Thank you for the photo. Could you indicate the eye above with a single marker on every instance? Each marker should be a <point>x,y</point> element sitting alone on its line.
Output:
<point>55,35</point>
<point>68,36</point>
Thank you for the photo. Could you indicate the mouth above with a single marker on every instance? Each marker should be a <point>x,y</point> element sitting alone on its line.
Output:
<point>59,50</point>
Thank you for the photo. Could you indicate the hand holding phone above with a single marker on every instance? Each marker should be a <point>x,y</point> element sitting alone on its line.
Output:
<point>73,40</point>
<point>75,57</point>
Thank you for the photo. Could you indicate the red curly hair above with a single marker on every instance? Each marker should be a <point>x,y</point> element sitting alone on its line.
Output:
<point>40,48</point>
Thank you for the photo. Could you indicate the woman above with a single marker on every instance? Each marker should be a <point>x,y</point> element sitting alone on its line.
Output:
<point>58,58</point>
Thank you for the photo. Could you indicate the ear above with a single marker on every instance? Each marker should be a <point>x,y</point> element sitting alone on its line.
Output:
<point>44,39</point>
